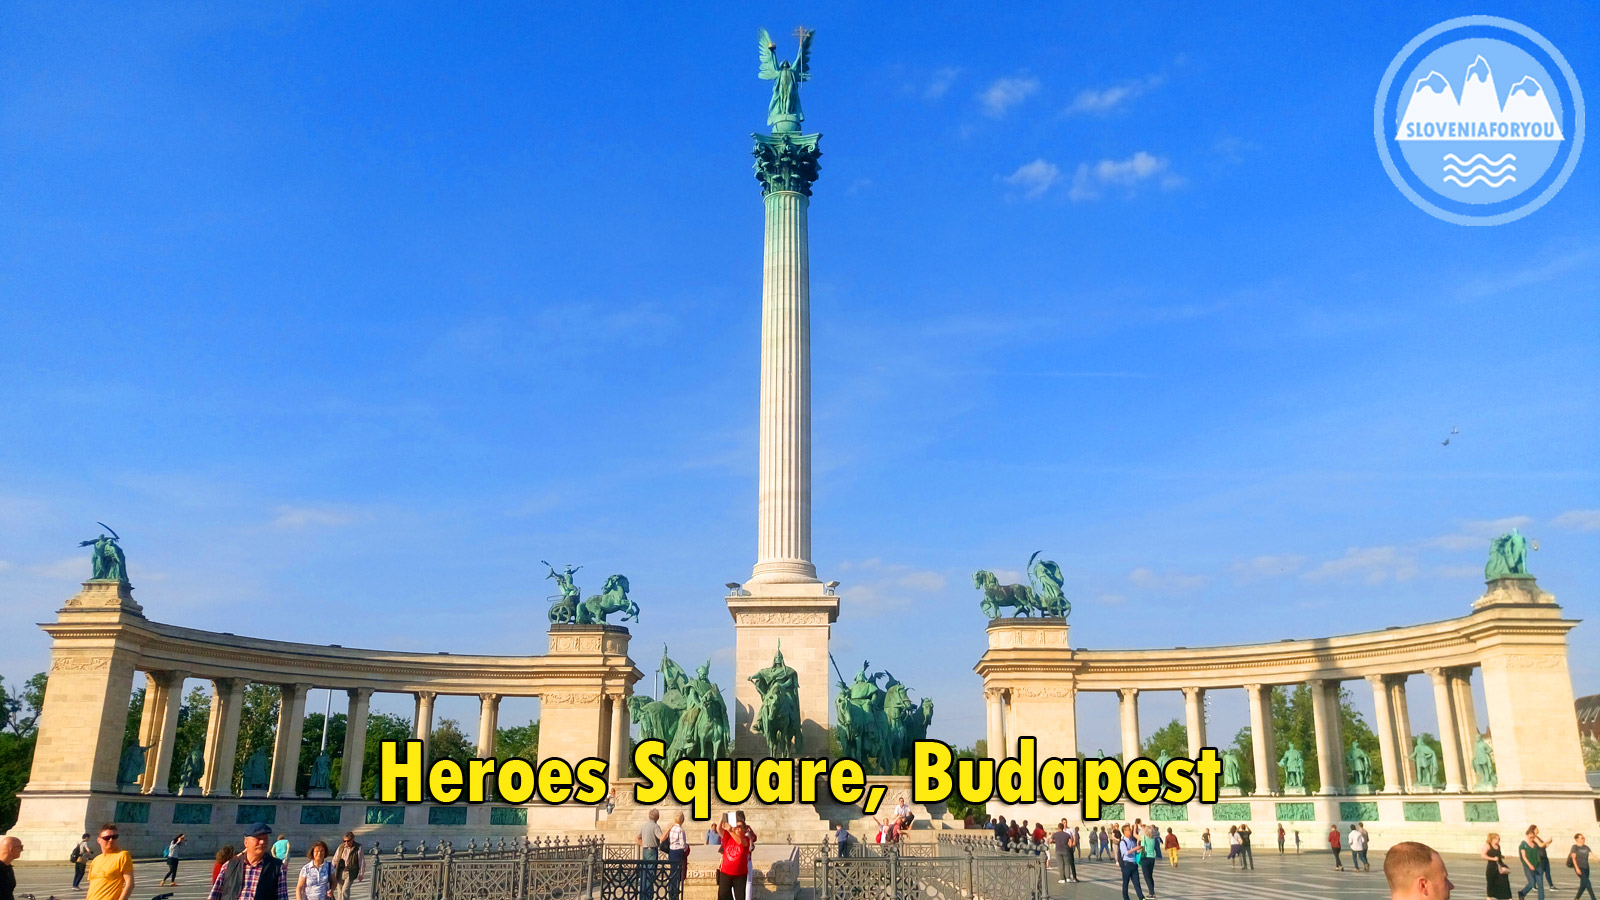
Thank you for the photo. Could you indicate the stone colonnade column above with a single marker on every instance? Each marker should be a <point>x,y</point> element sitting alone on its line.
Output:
<point>422,722</point>
<point>1194,715</point>
<point>150,724</point>
<point>1129,709</point>
<point>1325,720</point>
<point>995,736</point>
<point>619,735</point>
<point>286,746</point>
<point>1466,722</point>
<point>1449,737</point>
<point>1401,711</point>
<point>160,768</point>
<point>488,722</point>
<point>222,736</point>
<point>355,741</point>
<point>1384,726</point>
<point>1261,739</point>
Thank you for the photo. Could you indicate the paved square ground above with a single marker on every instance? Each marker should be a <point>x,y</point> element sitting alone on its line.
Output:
<point>194,881</point>
<point>1287,877</point>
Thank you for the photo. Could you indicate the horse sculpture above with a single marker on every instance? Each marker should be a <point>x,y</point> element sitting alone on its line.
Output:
<point>997,596</point>
<point>615,599</point>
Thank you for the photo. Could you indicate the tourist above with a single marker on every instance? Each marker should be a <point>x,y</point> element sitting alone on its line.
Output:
<point>842,839</point>
<point>254,874</point>
<point>1544,860</point>
<point>1415,872</point>
<point>1002,835</point>
<point>1062,840</point>
<point>81,855</point>
<point>280,850</point>
<point>172,854</point>
<point>733,870</point>
<point>223,855</point>
<point>1149,852</point>
<point>316,876</point>
<point>1172,847</point>
<point>347,866</point>
<point>750,845</point>
<point>1333,843</point>
<point>1281,835</point>
<point>10,849</point>
<point>1358,848</point>
<point>1038,834</point>
<point>1235,847</point>
<point>1366,845</point>
<point>111,873</point>
<point>1528,854</point>
<point>677,857</point>
<point>902,813</point>
<point>648,841</point>
<point>1205,844</point>
<point>713,837</point>
<point>1128,858</point>
<point>1297,842</point>
<point>1497,874</point>
<point>1247,856</point>
<point>1073,846</point>
<point>1578,860</point>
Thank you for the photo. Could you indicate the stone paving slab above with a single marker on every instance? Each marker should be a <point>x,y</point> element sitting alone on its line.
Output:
<point>55,880</point>
<point>1287,877</point>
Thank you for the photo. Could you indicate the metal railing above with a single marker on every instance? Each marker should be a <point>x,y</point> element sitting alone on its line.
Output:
<point>968,875</point>
<point>556,868</point>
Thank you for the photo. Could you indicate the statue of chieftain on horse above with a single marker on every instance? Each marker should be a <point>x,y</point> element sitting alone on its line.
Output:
<point>1043,595</point>
<point>567,609</point>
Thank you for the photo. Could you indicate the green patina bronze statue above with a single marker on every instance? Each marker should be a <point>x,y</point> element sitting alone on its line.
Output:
<point>193,768</point>
<point>132,765</point>
<point>1483,763</point>
<point>1045,596</point>
<point>255,771</point>
<point>1230,769</point>
<point>1047,582</point>
<point>615,599</point>
<point>1358,764</point>
<point>778,721</point>
<point>321,768</point>
<point>1294,767</point>
<point>563,606</point>
<point>1508,557</point>
<point>108,563</point>
<point>702,731</point>
<point>1427,763</point>
<point>863,727</point>
<point>783,113</point>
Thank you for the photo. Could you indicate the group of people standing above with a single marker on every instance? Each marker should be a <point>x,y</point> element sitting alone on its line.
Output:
<point>735,841</point>
<point>1534,856</point>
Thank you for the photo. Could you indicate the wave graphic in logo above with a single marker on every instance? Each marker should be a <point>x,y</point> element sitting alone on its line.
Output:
<point>1479,168</point>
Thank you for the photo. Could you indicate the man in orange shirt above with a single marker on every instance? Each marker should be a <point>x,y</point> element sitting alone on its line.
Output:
<point>111,873</point>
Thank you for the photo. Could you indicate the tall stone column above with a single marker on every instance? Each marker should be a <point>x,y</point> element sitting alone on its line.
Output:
<point>1449,737</point>
<point>286,746</point>
<point>619,735</point>
<point>160,760</point>
<point>1402,730</point>
<point>488,722</point>
<point>422,722</point>
<point>783,602</point>
<point>1261,739</point>
<point>222,736</point>
<point>1128,711</point>
<point>994,737</point>
<point>357,709</point>
<point>1384,726</point>
<point>1466,722</point>
<point>1325,722</point>
<point>155,706</point>
<point>1194,715</point>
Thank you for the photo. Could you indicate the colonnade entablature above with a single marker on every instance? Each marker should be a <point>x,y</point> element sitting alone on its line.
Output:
<point>1514,641</point>
<point>101,639</point>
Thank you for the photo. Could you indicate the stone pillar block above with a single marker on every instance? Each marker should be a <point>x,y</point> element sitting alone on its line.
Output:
<point>799,616</point>
<point>286,746</point>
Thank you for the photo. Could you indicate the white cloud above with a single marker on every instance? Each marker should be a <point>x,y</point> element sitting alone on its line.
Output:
<point>887,586</point>
<point>1475,534</point>
<point>1578,520</point>
<point>1256,568</point>
<point>1170,582</point>
<point>293,517</point>
<point>1004,93</point>
<point>1034,178</point>
<point>1091,180</point>
<point>1111,599</point>
<point>1104,100</point>
<point>1371,565</point>
<point>940,82</point>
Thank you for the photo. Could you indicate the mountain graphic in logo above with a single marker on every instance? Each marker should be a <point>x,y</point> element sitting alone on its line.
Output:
<point>1436,114</point>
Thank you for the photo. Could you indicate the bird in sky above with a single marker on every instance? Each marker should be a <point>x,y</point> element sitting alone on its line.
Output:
<point>1446,442</point>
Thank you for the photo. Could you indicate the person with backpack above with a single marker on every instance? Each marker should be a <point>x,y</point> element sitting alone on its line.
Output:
<point>173,853</point>
<point>81,855</point>
<point>734,868</point>
<point>1127,855</point>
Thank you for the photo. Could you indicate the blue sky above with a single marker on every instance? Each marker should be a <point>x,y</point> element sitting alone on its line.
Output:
<point>346,315</point>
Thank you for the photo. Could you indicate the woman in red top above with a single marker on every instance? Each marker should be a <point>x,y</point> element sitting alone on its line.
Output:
<point>734,869</point>
<point>1038,833</point>
<point>1333,842</point>
<point>223,855</point>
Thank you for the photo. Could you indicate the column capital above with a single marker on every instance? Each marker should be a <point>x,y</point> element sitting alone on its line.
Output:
<point>1194,692</point>
<point>488,697</point>
<point>1253,688</point>
<point>786,162</point>
<point>1437,673</point>
<point>1316,682</point>
<point>1377,681</point>
<point>1128,693</point>
<point>426,695</point>
<point>359,693</point>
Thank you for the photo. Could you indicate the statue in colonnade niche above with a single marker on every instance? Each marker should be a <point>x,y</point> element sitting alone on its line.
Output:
<point>1483,762</point>
<point>778,720</point>
<point>132,765</point>
<point>1230,769</point>
<point>1359,765</point>
<point>108,562</point>
<point>320,770</point>
<point>1294,767</point>
<point>255,771</point>
<point>1508,557</point>
<point>194,767</point>
<point>1427,763</point>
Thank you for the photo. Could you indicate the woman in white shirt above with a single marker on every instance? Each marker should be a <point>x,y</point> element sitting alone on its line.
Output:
<point>316,876</point>
<point>1235,846</point>
<point>677,856</point>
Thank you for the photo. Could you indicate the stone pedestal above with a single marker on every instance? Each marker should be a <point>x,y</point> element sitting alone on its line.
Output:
<point>1359,789</point>
<point>319,794</point>
<point>799,616</point>
<point>575,720</point>
<point>1042,706</point>
<point>253,793</point>
<point>1294,792</point>
<point>1232,792</point>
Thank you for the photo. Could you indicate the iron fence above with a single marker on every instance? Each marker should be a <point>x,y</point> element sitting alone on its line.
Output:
<point>896,877</point>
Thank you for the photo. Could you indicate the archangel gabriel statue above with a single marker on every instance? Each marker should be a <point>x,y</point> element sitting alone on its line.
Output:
<point>784,114</point>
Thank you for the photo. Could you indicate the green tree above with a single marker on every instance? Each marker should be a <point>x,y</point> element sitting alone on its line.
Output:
<point>520,741</point>
<point>1171,738</point>
<point>1294,721</point>
<point>311,746</point>
<point>130,731</point>
<point>955,804</point>
<point>19,718</point>
<point>1244,749</point>
<point>1591,754</point>
<point>193,716</point>
<point>380,727</point>
<point>258,726</point>
<point>449,742</point>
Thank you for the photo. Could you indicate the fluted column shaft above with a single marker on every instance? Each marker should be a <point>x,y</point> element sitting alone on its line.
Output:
<point>150,723</point>
<point>1129,709</point>
<point>994,737</point>
<point>286,748</point>
<point>1466,723</point>
<point>167,735</point>
<point>1384,726</point>
<point>357,710</point>
<point>1324,719</point>
<point>1449,737</point>
<point>1194,714</point>
<point>422,722</point>
<point>1261,739</point>
<point>222,736</point>
<point>488,723</point>
<point>783,537</point>
<point>1401,710</point>
<point>619,735</point>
